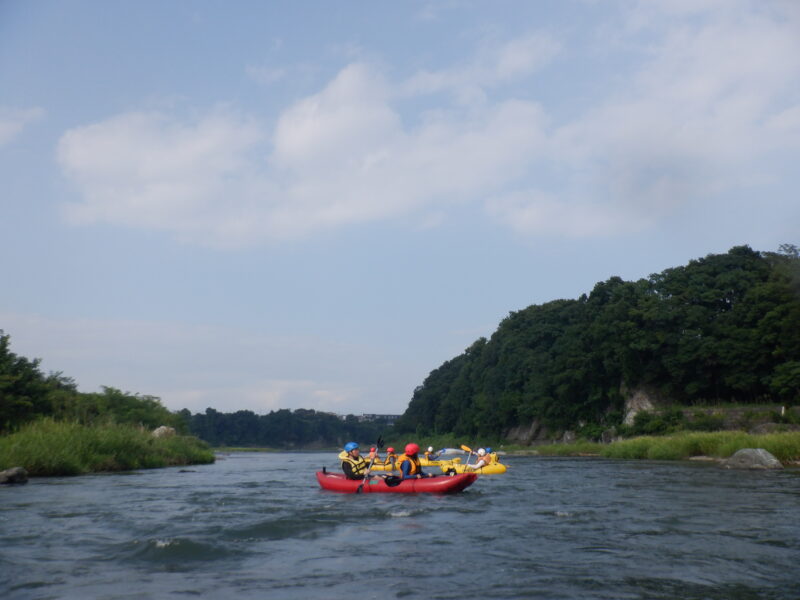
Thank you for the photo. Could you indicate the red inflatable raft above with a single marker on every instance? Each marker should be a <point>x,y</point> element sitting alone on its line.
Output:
<point>442,484</point>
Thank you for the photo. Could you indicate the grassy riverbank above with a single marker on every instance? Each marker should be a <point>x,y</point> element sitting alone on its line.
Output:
<point>680,446</point>
<point>50,447</point>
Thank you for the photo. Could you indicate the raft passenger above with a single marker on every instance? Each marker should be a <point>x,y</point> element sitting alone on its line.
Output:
<point>353,464</point>
<point>409,463</point>
<point>430,454</point>
<point>484,459</point>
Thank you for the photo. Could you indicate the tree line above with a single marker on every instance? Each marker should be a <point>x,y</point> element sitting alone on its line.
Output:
<point>284,428</point>
<point>723,328</point>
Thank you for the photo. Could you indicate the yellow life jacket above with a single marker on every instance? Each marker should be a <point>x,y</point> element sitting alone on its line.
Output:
<point>414,462</point>
<point>358,465</point>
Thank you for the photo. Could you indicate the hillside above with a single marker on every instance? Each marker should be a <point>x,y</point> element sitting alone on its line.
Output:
<point>721,329</point>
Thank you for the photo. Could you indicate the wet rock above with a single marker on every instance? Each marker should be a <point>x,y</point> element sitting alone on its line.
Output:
<point>752,458</point>
<point>163,431</point>
<point>14,475</point>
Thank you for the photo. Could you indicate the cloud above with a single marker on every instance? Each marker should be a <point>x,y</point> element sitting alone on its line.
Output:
<point>492,66</point>
<point>339,157</point>
<point>701,115</point>
<point>540,213</point>
<point>698,106</point>
<point>14,120</point>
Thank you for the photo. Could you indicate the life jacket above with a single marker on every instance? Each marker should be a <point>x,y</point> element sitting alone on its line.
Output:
<point>414,462</point>
<point>359,465</point>
<point>487,459</point>
<point>391,460</point>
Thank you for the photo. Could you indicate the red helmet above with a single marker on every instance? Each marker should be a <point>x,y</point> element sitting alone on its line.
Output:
<point>411,449</point>
<point>372,449</point>
<point>390,449</point>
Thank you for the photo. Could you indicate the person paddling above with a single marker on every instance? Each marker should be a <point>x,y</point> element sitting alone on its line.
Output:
<point>353,464</point>
<point>484,459</point>
<point>391,459</point>
<point>409,463</point>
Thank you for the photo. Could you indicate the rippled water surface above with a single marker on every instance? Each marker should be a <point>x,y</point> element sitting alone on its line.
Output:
<point>257,526</point>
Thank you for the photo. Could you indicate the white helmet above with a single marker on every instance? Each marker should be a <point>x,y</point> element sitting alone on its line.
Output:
<point>430,448</point>
<point>481,452</point>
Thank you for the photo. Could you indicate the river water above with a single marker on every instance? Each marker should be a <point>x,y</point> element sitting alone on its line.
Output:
<point>257,526</point>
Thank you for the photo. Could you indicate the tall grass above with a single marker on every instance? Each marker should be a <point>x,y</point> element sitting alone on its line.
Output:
<point>720,444</point>
<point>680,446</point>
<point>49,447</point>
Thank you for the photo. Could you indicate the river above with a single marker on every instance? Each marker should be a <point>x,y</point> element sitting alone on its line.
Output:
<point>257,526</point>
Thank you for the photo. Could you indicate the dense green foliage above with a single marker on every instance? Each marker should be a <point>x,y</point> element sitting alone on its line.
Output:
<point>27,394</point>
<point>48,447</point>
<point>281,428</point>
<point>722,328</point>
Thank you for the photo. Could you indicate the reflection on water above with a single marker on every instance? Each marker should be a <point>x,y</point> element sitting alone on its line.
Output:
<point>254,525</point>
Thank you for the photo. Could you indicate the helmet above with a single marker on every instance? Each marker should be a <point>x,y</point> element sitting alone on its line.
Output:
<point>390,449</point>
<point>372,449</point>
<point>412,449</point>
<point>488,450</point>
<point>430,448</point>
<point>350,446</point>
<point>481,452</point>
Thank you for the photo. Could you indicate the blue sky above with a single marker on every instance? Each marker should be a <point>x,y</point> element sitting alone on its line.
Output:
<point>259,205</point>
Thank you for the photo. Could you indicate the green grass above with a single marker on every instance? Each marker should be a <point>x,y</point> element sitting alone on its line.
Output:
<point>49,447</point>
<point>680,446</point>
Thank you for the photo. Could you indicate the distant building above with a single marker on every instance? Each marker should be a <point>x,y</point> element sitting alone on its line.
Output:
<point>388,419</point>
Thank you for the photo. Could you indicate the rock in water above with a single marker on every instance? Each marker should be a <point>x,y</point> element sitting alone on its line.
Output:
<point>14,475</point>
<point>752,458</point>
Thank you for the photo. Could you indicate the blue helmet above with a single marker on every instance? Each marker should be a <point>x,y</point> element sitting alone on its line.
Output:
<point>488,450</point>
<point>350,446</point>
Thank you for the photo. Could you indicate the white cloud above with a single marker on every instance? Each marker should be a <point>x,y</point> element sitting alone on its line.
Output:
<point>700,116</point>
<point>14,120</point>
<point>536,212</point>
<point>699,110</point>
<point>339,157</point>
<point>492,66</point>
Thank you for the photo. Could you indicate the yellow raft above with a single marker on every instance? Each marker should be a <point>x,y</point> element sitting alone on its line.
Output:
<point>492,469</point>
<point>424,462</point>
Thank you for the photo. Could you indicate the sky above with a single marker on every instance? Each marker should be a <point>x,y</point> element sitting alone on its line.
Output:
<point>264,205</point>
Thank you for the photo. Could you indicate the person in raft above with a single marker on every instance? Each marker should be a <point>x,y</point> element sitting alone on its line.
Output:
<point>353,464</point>
<point>409,463</point>
<point>391,459</point>
<point>430,454</point>
<point>484,459</point>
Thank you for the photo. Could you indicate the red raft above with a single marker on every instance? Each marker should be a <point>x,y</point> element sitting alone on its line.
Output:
<point>442,484</point>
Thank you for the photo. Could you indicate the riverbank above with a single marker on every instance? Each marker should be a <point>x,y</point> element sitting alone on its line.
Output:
<point>48,447</point>
<point>680,446</point>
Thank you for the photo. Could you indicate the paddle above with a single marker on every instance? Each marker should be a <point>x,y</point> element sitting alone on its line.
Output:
<point>378,445</point>
<point>468,450</point>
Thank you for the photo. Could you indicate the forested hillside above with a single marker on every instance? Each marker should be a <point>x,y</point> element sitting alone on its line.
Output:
<point>724,328</point>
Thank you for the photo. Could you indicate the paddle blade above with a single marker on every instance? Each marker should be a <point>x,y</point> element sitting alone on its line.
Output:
<point>466,448</point>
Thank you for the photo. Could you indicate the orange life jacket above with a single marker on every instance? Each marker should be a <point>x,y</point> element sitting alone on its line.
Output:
<point>413,461</point>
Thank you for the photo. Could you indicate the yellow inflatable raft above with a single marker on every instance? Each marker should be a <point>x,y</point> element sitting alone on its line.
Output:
<point>492,469</point>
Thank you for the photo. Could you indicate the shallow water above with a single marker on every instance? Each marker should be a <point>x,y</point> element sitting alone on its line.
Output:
<point>257,525</point>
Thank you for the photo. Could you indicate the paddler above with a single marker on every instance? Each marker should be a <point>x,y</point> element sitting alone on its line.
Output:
<point>409,463</point>
<point>353,464</point>
<point>484,459</point>
<point>391,458</point>
<point>430,454</point>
